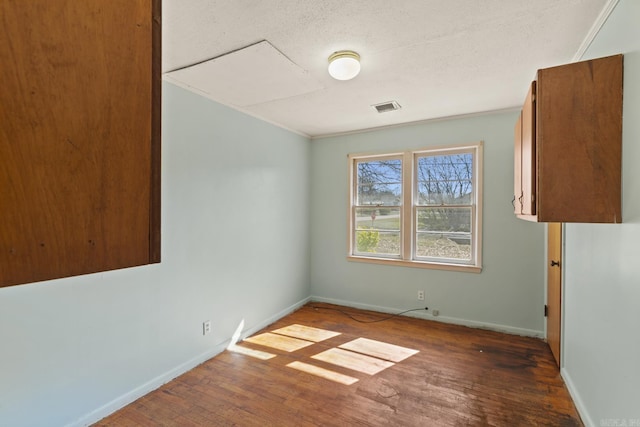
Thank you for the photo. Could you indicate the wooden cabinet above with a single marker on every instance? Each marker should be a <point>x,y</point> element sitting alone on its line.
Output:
<point>79,137</point>
<point>568,144</point>
<point>525,165</point>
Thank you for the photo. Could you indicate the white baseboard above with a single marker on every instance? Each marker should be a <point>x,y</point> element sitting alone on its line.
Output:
<point>444,319</point>
<point>160,380</point>
<point>580,406</point>
<point>135,394</point>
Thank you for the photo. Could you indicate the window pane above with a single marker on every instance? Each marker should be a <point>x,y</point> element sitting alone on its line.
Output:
<point>445,179</point>
<point>444,233</point>
<point>378,231</point>
<point>447,220</point>
<point>378,242</point>
<point>381,218</point>
<point>379,182</point>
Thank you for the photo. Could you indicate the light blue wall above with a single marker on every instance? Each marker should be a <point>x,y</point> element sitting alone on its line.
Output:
<point>507,295</point>
<point>235,245</point>
<point>602,266</point>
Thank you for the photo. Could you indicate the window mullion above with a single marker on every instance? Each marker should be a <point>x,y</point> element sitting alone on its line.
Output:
<point>351,224</point>
<point>407,226</point>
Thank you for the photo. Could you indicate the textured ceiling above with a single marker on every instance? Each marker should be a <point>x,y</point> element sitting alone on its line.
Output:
<point>436,58</point>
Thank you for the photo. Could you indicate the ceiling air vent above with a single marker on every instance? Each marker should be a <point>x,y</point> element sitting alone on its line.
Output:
<point>387,106</point>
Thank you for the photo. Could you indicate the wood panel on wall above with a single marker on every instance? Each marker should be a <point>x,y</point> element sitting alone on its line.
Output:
<point>79,137</point>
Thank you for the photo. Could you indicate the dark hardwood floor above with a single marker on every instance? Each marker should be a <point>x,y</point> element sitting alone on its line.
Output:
<point>459,377</point>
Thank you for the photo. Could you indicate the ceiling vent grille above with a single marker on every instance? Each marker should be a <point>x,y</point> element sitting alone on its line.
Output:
<point>385,107</point>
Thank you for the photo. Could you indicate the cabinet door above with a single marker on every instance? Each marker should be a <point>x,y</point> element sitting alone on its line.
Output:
<point>579,137</point>
<point>517,167</point>
<point>79,137</point>
<point>528,170</point>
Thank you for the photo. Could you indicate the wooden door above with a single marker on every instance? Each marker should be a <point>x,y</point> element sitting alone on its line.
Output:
<point>554,287</point>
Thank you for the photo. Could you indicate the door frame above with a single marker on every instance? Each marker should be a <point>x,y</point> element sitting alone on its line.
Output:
<point>554,291</point>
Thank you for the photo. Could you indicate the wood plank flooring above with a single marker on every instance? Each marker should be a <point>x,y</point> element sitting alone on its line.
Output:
<point>458,377</point>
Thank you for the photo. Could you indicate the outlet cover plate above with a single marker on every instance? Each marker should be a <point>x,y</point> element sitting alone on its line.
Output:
<point>206,327</point>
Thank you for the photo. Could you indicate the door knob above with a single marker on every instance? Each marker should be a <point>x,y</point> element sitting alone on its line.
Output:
<point>555,263</point>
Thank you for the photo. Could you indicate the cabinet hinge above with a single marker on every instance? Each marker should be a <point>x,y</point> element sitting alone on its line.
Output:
<point>546,310</point>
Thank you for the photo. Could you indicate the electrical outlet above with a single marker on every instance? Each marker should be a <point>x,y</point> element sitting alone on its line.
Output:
<point>421,295</point>
<point>206,327</point>
<point>435,313</point>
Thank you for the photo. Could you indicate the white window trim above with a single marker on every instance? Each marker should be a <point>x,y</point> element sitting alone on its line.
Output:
<point>407,209</point>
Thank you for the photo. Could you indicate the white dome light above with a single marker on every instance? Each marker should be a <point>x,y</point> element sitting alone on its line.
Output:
<point>344,65</point>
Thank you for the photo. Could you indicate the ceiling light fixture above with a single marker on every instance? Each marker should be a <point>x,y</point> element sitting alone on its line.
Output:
<point>344,65</point>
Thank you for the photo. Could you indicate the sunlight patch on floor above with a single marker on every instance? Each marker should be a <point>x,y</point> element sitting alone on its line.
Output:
<point>362,355</point>
<point>381,350</point>
<point>323,373</point>
<point>279,342</point>
<point>306,333</point>
<point>354,361</point>
<point>262,355</point>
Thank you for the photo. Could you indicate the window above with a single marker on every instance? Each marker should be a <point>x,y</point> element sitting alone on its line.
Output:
<point>419,208</point>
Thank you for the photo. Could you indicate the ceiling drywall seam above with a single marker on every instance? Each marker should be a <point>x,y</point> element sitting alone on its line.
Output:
<point>212,58</point>
<point>595,29</point>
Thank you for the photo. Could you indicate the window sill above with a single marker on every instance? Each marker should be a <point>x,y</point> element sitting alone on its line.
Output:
<point>416,264</point>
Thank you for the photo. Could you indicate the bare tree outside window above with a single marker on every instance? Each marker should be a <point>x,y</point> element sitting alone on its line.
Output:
<point>445,193</point>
